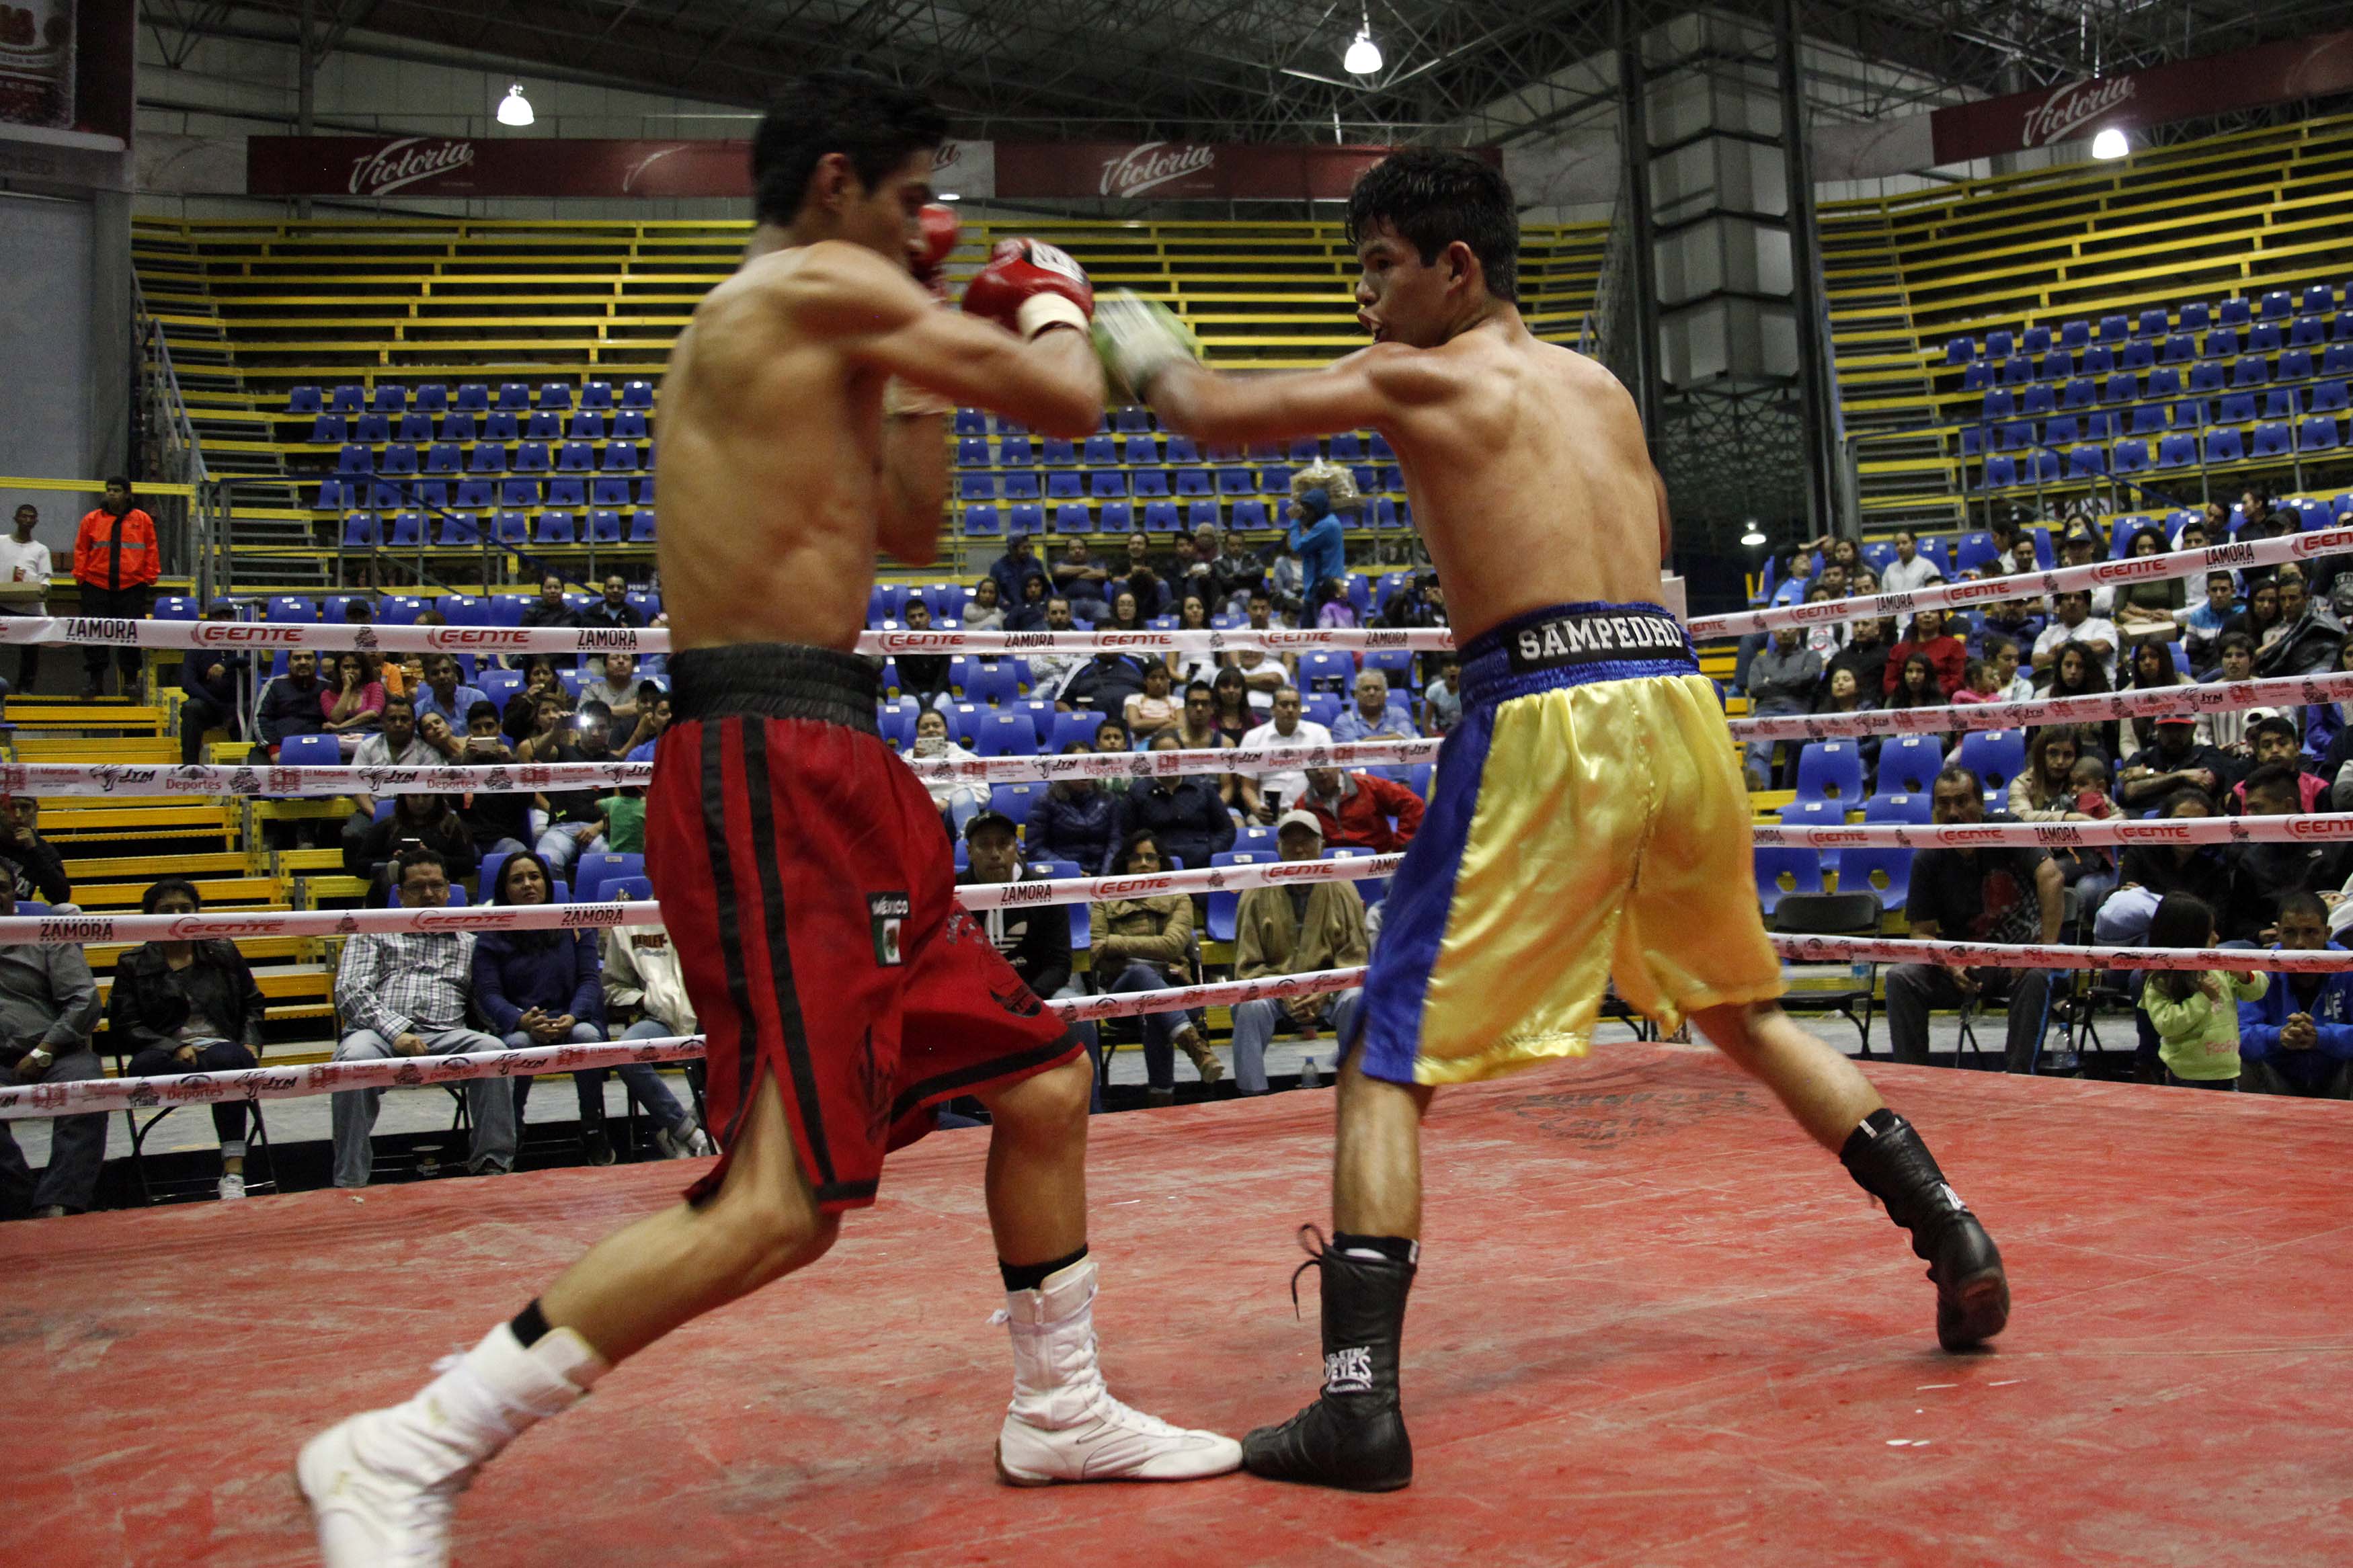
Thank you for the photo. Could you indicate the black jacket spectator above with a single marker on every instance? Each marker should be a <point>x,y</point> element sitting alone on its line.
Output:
<point>1011,571</point>
<point>414,822</point>
<point>605,613</point>
<point>2174,752</point>
<point>543,613</point>
<point>2264,874</point>
<point>290,707</point>
<point>1034,938</point>
<point>2310,645</point>
<point>1104,683</point>
<point>31,862</point>
<point>212,698</point>
<point>1183,815</point>
<point>2160,868</point>
<point>1867,659</point>
<point>151,1001</point>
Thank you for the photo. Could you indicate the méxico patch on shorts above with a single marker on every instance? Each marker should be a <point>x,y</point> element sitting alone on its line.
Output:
<point>887,913</point>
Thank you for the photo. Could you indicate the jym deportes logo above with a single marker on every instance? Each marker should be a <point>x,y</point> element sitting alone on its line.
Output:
<point>887,913</point>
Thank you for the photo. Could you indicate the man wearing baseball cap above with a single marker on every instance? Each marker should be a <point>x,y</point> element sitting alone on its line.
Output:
<point>1035,939</point>
<point>1293,928</point>
<point>2173,761</point>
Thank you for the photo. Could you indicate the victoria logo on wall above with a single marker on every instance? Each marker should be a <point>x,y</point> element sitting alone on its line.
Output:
<point>406,161</point>
<point>1154,163</point>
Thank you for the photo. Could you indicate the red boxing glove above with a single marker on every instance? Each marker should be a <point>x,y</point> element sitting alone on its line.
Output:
<point>1030,287</point>
<point>936,233</point>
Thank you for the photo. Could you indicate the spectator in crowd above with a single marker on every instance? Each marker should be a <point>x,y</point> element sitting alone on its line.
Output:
<point>2076,671</point>
<point>1147,945</point>
<point>984,611</point>
<point>620,688</point>
<point>549,612</point>
<point>289,702</point>
<point>1822,641</point>
<point>1200,664</point>
<point>1075,820</point>
<point>546,988</point>
<point>1947,659</point>
<point>1050,672</point>
<point>1262,677</point>
<point>395,744</point>
<point>48,1007</point>
<point>2173,759</point>
<point>1335,609</point>
<point>1135,574</point>
<point>1295,929</point>
<point>539,680</point>
<point>1112,740</point>
<point>1035,939</point>
<point>1230,575</point>
<point>2202,623</point>
<point>614,612</point>
<point>922,676</point>
<point>2045,790</point>
<point>2020,556</point>
<point>1028,612</point>
<point>416,821</point>
<point>2260,620</point>
<point>1279,788</point>
<point>653,717</point>
<point>2010,685</point>
<point>189,1007</point>
<point>115,566</point>
<point>2261,873</point>
<point>353,704</point>
<point>2311,635</point>
<point>2324,721</point>
<point>1915,684</point>
<point>1910,571</point>
<point>576,823</point>
<point>445,694</point>
<point>1373,718</point>
<point>1321,538</point>
<point>2297,1037</point>
<point>1196,730</point>
<point>1841,694</point>
<point>2013,619</point>
<point>2273,745</point>
<point>1183,812</point>
<point>1979,683</point>
<point>2150,608</point>
<point>645,998</point>
<point>551,728</point>
<point>959,800</point>
<point>209,679</point>
<point>2153,670</point>
<point>2195,1011</point>
<point>407,993</point>
<point>1782,681</point>
<point>25,560</point>
<point>2073,622</point>
<point>1441,700</point>
<point>499,821</point>
<point>1230,707</point>
<point>1126,614</point>
<point>1104,683</point>
<point>2150,871</point>
<point>1151,710</point>
<point>31,863</point>
<point>1016,567</point>
<point>2080,546</point>
<point>2230,730</point>
<point>1865,654</point>
<point>1417,602</point>
<point>1355,810</point>
<point>1992,894</point>
<point>1080,578</point>
<point>1261,614</point>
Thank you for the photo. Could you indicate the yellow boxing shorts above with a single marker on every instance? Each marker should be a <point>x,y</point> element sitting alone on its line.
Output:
<point>1589,820</point>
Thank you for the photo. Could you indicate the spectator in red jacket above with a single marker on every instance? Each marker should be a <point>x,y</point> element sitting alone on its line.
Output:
<point>116,563</point>
<point>1356,808</point>
<point>1945,655</point>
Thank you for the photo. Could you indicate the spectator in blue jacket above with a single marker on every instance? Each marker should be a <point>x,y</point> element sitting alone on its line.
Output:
<point>1376,718</point>
<point>1075,820</point>
<point>1319,536</point>
<point>2297,1037</point>
<point>210,677</point>
<point>1013,569</point>
<point>1184,814</point>
<point>546,988</point>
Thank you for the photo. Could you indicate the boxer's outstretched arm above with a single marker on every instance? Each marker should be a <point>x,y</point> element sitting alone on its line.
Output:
<point>880,317</point>
<point>1365,389</point>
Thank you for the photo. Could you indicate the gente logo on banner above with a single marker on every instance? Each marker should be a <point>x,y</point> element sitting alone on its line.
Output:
<point>1153,164</point>
<point>406,161</point>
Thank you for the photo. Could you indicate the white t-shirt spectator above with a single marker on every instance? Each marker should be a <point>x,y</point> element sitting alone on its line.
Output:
<point>1908,576</point>
<point>2093,630</point>
<point>1291,783</point>
<point>26,563</point>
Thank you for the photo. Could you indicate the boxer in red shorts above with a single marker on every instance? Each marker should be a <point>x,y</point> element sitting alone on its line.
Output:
<point>801,867</point>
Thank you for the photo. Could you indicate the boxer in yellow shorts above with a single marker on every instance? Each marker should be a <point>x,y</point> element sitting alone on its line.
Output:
<point>1586,820</point>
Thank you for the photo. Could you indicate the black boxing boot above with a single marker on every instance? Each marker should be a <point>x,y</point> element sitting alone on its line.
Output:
<point>1353,1437</point>
<point>1888,1160</point>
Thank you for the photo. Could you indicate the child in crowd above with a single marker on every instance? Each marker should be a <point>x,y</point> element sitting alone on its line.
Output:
<point>1979,683</point>
<point>2089,779</point>
<point>2195,1011</point>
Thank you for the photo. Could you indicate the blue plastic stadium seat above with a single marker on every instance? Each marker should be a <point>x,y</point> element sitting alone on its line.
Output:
<point>1160,516</point>
<point>1072,518</point>
<point>2235,313</point>
<point>1994,756</point>
<point>637,394</point>
<point>2001,472</point>
<point>2224,446</point>
<point>2132,456</point>
<point>1116,517</point>
<point>1801,868</point>
<point>2088,462</point>
<point>2037,402</point>
<point>361,532</point>
<point>1831,770</point>
<point>641,526</point>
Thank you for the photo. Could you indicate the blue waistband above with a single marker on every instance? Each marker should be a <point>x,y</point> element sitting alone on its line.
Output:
<point>1574,644</point>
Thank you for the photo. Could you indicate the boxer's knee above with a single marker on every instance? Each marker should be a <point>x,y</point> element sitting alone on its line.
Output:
<point>766,1235</point>
<point>1047,1106</point>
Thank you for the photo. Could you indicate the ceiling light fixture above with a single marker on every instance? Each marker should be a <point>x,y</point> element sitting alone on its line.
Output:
<point>2110,144</point>
<point>515,109</point>
<point>949,197</point>
<point>1755,536</point>
<point>1364,56</point>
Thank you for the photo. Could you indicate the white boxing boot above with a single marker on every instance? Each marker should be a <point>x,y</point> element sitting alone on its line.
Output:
<point>383,1486</point>
<point>1063,1424</point>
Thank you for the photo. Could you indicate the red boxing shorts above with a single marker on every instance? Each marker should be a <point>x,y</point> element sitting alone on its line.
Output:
<point>807,883</point>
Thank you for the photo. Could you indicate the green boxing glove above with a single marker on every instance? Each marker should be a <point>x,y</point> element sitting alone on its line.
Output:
<point>1136,339</point>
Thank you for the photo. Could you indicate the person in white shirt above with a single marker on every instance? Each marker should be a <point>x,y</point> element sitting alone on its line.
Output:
<point>1910,571</point>
<point>1050,671</point>
<point>2071,621</point>
<point>25,559</point>
<point>959,800</point>
<point>641,977</point>
<point>1283,787</point>
<point>2012,686</point>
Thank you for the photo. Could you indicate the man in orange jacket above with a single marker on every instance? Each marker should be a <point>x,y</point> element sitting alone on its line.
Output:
<point>1355,810</point>
<point>116,564</point>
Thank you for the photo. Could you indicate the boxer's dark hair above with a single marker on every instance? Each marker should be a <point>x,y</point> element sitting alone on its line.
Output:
<point>875,123</point>
<point>1433,198</point>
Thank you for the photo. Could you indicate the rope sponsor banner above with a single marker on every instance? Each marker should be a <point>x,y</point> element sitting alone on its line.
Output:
<point>250,923</point>
<point>2032,585</point>
<point>2031,956</point>
<point>2219,697</point>
<point>103,1094</point>
<point>268,637</point>
<point>1167,765</point>
<point>2331,829</point>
